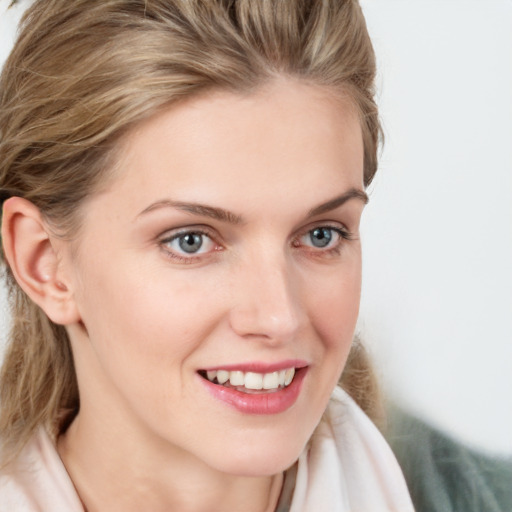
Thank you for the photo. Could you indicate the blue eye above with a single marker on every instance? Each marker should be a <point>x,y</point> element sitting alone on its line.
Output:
<point>320,237</point>
<point>323,237</point>
<point>190,243</point>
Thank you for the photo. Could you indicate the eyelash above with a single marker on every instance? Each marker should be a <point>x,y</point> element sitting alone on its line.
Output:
<point>342,233</point>
<point>192,258</point>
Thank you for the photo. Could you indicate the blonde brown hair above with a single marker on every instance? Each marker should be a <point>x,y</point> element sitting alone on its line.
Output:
<point>83,73</point>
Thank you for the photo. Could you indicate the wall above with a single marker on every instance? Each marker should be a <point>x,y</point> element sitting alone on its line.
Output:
<point>437,295</point>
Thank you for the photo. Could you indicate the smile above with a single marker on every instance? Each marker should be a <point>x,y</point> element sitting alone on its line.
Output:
<point>260,389</point>
<point>247,382</point>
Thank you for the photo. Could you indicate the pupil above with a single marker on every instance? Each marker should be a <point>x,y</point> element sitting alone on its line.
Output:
<point>191,242</point>
<point>320,237</point>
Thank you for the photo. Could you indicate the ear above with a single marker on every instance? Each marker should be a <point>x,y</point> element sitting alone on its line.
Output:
<point>30,250</point>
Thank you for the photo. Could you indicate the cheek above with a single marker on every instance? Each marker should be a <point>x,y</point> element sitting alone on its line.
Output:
<point>144,323</point>
<point>336,304</point>
<point>334,312</point>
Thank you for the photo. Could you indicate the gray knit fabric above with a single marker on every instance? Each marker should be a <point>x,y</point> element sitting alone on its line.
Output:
<point>445,476</point>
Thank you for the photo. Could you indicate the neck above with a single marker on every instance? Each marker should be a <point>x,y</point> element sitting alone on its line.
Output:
<point>115,472</point>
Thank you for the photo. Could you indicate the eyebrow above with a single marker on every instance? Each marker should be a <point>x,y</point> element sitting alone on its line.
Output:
<point>332,204</point>
<point>196,209</point>
<point>222,215</point>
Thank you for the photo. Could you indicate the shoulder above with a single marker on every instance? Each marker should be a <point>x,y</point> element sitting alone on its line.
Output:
<point>443,475</point>
<point>38,481</point>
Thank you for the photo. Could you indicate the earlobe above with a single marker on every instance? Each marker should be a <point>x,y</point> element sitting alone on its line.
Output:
<point>31,254</point>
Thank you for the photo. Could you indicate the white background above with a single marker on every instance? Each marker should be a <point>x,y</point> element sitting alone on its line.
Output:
<point>437,287</point>
<point>437,291</point>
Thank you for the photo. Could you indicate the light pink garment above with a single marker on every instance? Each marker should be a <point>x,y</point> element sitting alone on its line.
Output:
<point>346,467</point>
<point>39,482</point>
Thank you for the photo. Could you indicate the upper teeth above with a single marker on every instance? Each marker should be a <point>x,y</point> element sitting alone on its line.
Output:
<point>253,380</point>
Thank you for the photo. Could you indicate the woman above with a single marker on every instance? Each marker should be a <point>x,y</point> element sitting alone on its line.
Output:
<point>183,183</point>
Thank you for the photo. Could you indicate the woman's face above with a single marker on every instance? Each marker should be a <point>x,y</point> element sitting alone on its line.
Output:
<point>226,247</point>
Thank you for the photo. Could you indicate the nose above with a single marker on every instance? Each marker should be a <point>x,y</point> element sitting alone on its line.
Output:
<point>266,302</point>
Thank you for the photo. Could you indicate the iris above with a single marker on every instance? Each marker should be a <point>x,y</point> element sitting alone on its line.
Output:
<point>321,237</point>
<point>191,242</point>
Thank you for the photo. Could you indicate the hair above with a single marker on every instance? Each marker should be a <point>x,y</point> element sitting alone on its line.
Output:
<point>83,73</point>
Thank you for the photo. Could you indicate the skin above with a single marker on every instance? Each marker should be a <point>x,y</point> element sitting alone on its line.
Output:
<point>150,316</point>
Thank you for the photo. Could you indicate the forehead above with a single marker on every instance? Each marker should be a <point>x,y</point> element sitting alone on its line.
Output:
<point>259,144</point>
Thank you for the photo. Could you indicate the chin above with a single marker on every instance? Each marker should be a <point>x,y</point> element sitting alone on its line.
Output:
<point>260,466</point>
<point>261,456</point>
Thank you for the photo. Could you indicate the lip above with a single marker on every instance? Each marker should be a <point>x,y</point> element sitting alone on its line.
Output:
<point>264,403</point>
